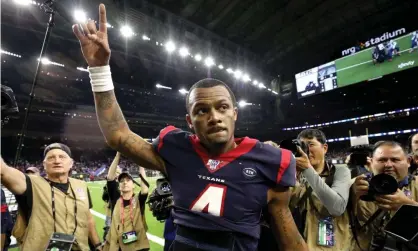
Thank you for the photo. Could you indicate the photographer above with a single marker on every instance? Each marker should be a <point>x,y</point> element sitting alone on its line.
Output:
<point>128,226</point>
<point>56,208</point>
<point>106,197</point>
<point>413,156</point>
<point>320,198</point>
<point>371,216</point>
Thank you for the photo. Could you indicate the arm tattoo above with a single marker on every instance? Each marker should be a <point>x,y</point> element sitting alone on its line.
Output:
<point>285,227</point>
<point>109,113</point>
<point>116,131</point>
<point>105,100</point>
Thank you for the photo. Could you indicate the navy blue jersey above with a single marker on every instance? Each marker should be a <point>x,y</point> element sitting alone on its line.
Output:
<point>227,192</point>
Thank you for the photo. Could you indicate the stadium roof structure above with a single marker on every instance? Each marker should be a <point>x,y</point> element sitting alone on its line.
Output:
<point>264,37</point>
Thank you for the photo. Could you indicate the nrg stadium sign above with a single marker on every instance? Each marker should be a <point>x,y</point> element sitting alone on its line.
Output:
<point>373,41</point>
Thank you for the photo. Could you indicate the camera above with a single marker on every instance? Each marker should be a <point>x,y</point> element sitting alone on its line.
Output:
<point>358,159</point>
<point>292,145</point>
<point>161,200</point>
<point>8,102</point>
<point>381,184</point>
<point>61,242</point>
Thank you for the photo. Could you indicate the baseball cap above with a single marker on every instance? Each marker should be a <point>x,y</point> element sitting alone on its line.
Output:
<point>57,146</point>
<point>123,174</point>
<point>32,169</point>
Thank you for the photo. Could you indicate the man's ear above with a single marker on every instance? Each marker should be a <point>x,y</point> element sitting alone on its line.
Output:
<point>325,148</point>
<point>235,113</point>
<point>189,121</point>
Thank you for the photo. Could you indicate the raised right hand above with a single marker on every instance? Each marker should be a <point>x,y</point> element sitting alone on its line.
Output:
<point>94,44</point>
<point>360,186</point>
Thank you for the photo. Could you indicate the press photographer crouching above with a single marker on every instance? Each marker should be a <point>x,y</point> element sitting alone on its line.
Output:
<point>56,208</point>
<point>378,195</point>
<point>128,226</point>
<point>320,197</point>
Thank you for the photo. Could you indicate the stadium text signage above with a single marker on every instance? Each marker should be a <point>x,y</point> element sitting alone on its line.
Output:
<point>373,41</point>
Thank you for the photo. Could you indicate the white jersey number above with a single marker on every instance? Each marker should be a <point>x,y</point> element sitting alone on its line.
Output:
<point>211,200</point>
<point>381,46</point>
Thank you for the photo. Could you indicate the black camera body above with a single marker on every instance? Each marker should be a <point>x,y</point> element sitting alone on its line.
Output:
<point>381,184</point>
<point>60,241</point>
<point>358,159</point>
<point>161,200</point>
<point>8,102</point>
<point>292,145</point>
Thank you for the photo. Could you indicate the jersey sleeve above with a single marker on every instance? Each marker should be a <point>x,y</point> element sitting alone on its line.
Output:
<point>158,143</point>
<point>280,165</point>
<point>169,145</point>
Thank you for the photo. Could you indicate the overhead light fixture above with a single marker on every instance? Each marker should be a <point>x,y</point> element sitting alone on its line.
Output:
<point>23,2</point>
<point>183,91</point>
<point>229,70</point>
<point>198,57</point>
<point>144,37</point>
<point>82,69</point>
<point>159,86</point>
<point>209,61</point>
<point>255,82</point>
<point>170,46</point>
<point>45,61</point>
<point>126,31</point>
<point>246,78</point>
<point>220,66</point>
<point>80,16</point>
<point>183,52</point>
<point>237,74</point>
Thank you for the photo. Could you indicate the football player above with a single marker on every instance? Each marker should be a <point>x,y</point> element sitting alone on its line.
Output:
<point>392,49</point>
<point>414,41</point>
<point>220,183</point>
<point>378,54</point>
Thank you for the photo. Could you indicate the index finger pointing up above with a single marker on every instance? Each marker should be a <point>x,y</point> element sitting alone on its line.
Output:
<point>102,18</point>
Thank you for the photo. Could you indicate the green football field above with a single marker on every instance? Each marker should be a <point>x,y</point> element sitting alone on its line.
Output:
<point>155,228</point>
<point>359,67</point>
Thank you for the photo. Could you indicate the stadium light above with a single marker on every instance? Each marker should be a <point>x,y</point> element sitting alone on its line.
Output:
<point>220,66</point>
<point>170,46</point>
<point>237,74</point>
<point>109,25</point>
<point>183,91</point>
<point>242,103</point>
<point>45,61</point>
<point>209,61</point>
<point>255,82</point>
<point>275,93</point>
<point>246,78</point>
<point>144,37</point>
<point>262,86</point>
<point>126,31</point>
<point>80,16</point>
<point>229,70</point>
<point>10,53</point>
<point>198,57</point>
<point>183,51</point>
<point>23,2</point>
<point>159,86</point>
<point>82,69</point>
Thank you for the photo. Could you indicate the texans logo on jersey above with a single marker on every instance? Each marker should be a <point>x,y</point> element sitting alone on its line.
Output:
<point>213,164</point>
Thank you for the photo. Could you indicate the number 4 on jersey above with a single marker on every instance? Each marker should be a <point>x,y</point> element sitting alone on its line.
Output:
<point>211,200</point>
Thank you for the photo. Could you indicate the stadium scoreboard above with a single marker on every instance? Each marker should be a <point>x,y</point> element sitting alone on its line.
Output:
<point>360,66</point>
<point>316,80</point>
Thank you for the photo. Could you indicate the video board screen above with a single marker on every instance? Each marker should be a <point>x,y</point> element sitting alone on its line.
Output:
<point>383,59</point>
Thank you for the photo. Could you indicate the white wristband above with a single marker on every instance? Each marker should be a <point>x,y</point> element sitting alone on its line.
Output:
<point>101,79</point>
